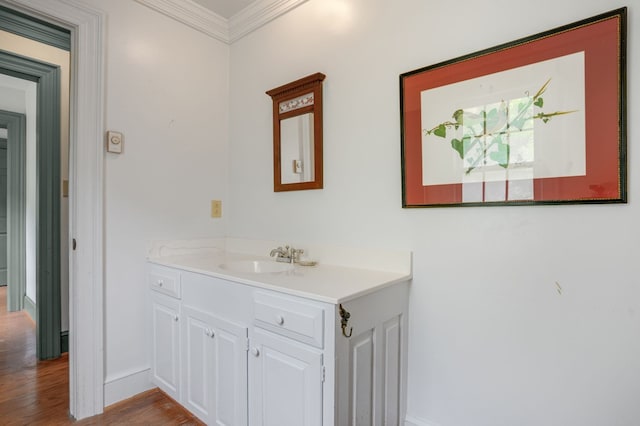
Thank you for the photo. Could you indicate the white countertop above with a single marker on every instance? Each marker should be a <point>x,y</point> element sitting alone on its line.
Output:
<point>322,282</point>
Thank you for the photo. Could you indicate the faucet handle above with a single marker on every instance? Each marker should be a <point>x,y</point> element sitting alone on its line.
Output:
<point>279,251</point>
<point>295,254</point>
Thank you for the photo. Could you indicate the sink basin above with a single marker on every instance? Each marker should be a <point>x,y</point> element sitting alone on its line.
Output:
<point>256,266</point>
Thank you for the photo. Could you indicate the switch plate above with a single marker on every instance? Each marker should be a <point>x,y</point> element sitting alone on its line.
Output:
<point>297,167</point>
<point>216,208</point>
<point>114,142</point>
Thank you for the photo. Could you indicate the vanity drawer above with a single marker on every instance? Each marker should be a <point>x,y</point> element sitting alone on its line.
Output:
<point>165,280</point>
<point>290,317</point>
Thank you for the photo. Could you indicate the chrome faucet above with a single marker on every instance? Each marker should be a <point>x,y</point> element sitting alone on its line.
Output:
<point>286,254</point>
<point>282,254</point>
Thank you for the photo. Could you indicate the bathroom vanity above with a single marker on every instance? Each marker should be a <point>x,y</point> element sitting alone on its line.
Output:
<point>240,339</point>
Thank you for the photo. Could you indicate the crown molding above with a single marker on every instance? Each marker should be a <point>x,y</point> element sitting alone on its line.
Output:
<point>226,30</point>
<point>193,15</point>
<point>258,14</point>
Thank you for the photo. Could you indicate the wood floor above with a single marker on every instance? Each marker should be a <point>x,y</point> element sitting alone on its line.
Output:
<point>36,392</point>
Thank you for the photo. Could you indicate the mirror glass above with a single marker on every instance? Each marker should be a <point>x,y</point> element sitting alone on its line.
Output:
<point>296,149</point>
<point>297,134</point>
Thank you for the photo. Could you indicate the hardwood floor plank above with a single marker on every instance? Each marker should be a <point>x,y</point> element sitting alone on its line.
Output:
<point>36,392</point>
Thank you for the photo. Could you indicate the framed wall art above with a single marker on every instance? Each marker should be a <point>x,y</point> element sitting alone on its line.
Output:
<point>540,120</point>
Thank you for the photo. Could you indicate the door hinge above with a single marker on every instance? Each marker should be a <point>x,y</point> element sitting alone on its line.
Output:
<point>324,371</point>
<point>246,345</point>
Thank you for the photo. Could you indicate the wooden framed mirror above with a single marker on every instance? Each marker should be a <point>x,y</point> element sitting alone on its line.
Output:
<point>297,134</point>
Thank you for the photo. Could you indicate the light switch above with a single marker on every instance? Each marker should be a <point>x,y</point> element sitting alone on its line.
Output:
<point>297,166</point>
<point>114,142</point>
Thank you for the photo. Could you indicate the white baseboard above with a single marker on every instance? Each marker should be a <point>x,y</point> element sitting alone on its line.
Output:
<point>414,421</point>
<point>126,386</point>
<point>30,308</point>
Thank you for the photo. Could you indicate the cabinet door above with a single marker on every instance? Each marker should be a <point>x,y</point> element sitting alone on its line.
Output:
<point>371,364</point>
<point>215,368</point>
<point>165,350</point>
<point>285,382</point>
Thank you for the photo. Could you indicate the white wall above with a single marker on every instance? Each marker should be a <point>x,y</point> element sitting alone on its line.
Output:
<point>492,342</point>
<point>167,92</point>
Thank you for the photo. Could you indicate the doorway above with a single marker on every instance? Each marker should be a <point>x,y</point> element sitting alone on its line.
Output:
<point>13,128</point>
<point>3,209</point>
<point>47,215</point>
<point>40,52</point>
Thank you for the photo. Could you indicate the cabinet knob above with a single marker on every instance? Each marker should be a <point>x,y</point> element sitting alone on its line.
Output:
<point>279,319</point>
<point>175,318</point>
<point>209,332</point>
<point>255,351</point>
<point>160,283</point>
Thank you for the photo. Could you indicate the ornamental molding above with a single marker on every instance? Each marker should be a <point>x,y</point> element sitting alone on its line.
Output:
<point>227,31</point>
<point>297,103</point>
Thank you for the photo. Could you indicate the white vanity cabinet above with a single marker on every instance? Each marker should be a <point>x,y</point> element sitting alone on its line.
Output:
<point>257,355</point>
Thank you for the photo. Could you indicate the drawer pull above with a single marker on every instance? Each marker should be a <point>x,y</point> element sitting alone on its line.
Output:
<point>165,281</point>
<point>279,320</point>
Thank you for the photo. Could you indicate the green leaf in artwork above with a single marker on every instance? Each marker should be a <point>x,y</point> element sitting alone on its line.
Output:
<point>501,156</point>
<point>458,146</point>
<point>441,131</point>
<point>492,118</point>
<point>519,122</point>
<point>539,102</point>
<point>458,116</point>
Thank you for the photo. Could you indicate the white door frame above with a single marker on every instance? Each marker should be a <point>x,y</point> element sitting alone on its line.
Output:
<point>86,196</point>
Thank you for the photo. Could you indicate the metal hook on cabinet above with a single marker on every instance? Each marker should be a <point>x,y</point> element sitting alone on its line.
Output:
<point>344,321</point>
